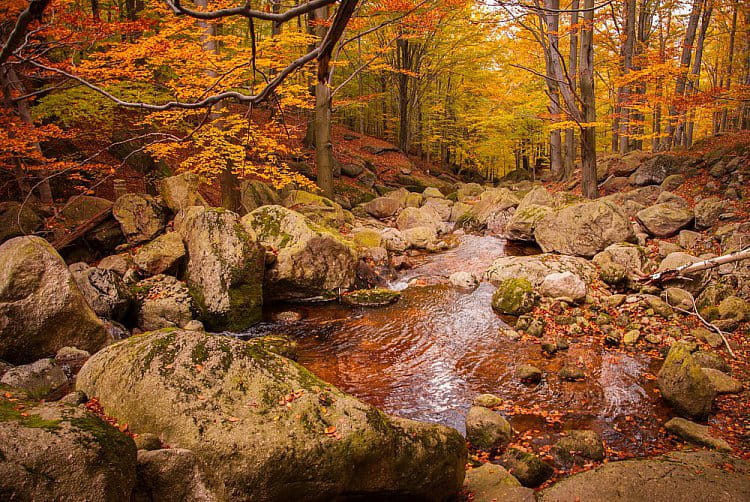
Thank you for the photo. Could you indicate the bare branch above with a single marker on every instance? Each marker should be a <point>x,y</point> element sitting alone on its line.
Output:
<point>32,13</point>
<point>246,11</point>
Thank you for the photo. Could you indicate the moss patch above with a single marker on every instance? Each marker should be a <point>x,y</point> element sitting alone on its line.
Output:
<point>515,297</point>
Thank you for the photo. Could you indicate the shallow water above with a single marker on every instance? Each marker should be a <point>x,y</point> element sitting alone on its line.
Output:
<point>428,355</point>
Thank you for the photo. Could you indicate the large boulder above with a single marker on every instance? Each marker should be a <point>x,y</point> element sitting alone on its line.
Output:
<point>224,267</point>
<point>656,169</point>
<point>665,220</point>
<point>317,208</point>
<point>700,475</point>
<point>514,297</point>
<point>42,379</point>
<point>103,290</point>
<point>696,433</point>
<point>309,260</point>
<point>707,212</point>
<point>492,483</point>
<point>684,385</point>
<point>535,268</point>
<point>583,229</point>
<point>17,219</point>
<point>382,207</point>
<point>41,308</point>
<point>468,191</point>
<point>623,262</point>
<point>141,217</point>
<point>563,284</point>
<point>81,208</point>
<point>486,429</point>
<point>442,207</point>
<point>537,196</point>
<point>491,202</point>
<point>521,225</point>
<point>163,302</point>
<point>412,217</point>
<point>181,191</point>
<point>255,193</point>
<point>264,427</point>
<point>161,255</point>
<point>55,452</point>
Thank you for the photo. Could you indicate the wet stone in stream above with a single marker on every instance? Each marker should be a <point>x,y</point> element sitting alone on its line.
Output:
<point>427,356</point>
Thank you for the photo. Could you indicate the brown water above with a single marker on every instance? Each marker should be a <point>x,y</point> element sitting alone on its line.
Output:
<point>427,356</point>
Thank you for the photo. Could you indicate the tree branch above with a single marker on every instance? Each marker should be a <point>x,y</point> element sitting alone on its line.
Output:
<point>32,13</point>
<point>246,11</point>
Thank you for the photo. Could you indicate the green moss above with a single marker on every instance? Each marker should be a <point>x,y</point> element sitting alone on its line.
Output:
<point>10,413</point>
<point>514,296</point>
<point>111,442</point>
<point>164,348</point>
<point>199,353</point>
<point>371,297</point>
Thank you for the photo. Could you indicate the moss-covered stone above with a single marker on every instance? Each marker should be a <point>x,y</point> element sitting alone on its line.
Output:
<point>515,297</point>
<point>377,297</point>
<point>684,385</point>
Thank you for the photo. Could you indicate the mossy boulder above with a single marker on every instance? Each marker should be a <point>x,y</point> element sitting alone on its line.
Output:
<point>492,483</point>
<point>684,385</point>
<point>163,302</point>
<point>521,225</point>
<point>317,208</point>
<point>173,475</point>
<point>141,217</point>
<point>529,469</point>
<point>623,263</point>
<point>665,220</point>
<point>366,238</point>
<point>181,191</point>
<point>583,229</point>
<point>412,217</point>
<point>41,307</point>
<point>707,212</point>
<point>515,297</point>
<point>308,259</point>
<point>491,202</point>
<point>52,451</point>
<point>578,447</point>
<point>486,429</point>
<point>265,428</point>
<point>535,268</point>
<point>377,297</point>
<point>163,254</point>
<point>224,267</point>
<point>17,219</point>
<point>255,193</point>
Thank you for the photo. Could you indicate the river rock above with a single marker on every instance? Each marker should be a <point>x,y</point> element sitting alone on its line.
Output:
<point>529,374</point>
<point>487,400</point>
<point>268,429</point>
<point>583,229</point>
<point>486,429</point>
<point>578,447</point>
<point>118,263</point>
<point>423,237</point>
<point>734,308</point>
<point>492,483</point>
<point>164,302</point>
<point>42,379</point>
<point>377,297</point>
<point>161,255</point>
<point>700,475</point>
<point>515,297</point>
<point>394,240</point>
<point>464,280</point>
<point>521,225</point>
<point>432,192</point>
<point>141,217</point>
<point>255,193</point>
<point>81,208</point>
<point>722,383</point>
<point>707,212</point>
<point>309,260</point>
<point>317,208</point>
<point>412,217</point>
<point>469,191</point>
<point>491,202</point>
<point>709,359</point>
<point>103,290</point>
<point>665,220</point>
<point>71,359</point>
<point>442,207</point>
<point>224,268</point>
<point>181,191</point>
<point>563,284</point>
<point>529,469</point>
<point>535,268</point>
<point>173,475</point>
<point>41,307</point>
<point>623,262</point>
<point>382,207</point>
<point>684,385</point>
<point>696,433</point>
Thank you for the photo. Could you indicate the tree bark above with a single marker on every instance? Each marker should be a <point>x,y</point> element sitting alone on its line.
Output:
<point>730,61</point>
<point>570,145</point>
<point>626,53</point>
<point>586,84</point>
<point>694,84</point>
<point>552,22</point>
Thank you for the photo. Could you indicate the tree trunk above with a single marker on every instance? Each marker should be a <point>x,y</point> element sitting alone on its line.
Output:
<point>586,84</point>
<point>570,145</point>
<point>403,58</point>
<point>694,84</point>
<point>552,22</point>
<point>323,147</point>
<point>626,53</point>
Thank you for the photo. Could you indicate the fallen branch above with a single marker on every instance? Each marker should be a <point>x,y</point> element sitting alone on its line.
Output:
<point>82,229</point>
<point>703,320</point>
<point>678,272</point>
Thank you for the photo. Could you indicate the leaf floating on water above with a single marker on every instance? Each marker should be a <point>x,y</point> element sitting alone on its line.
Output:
<point>331,429</point>
<point>233,419</point>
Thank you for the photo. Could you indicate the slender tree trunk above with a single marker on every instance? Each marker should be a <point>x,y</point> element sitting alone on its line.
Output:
<point>404,62</point>
<point>694,84</point>
<point>586,84</point>
<point>322,120</point>
<point>552,22</point>
<point>730,62</point>
<point>570,145</point>
<point>626,54</point>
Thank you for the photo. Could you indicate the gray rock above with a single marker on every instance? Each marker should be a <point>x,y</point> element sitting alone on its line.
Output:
<point>529,374</point>
<point>696,433</point>
<point>161,255</point>
<point>694,282</point>
<point>563,284</point>
<point>684,385</point>
<point>521,225</point>
<point>486,429</point>
<point>723,383</point>
<point>164,302</point>
<point>708,359</point>
<point>118,263</point>
<point>61,452</point>
<point>583,229</point>
<point>492,483</point>
<point>487,400</point>
<point>382,207</point>
<point>103,290</point>
<point>677,476</point>
<point>181,191</point>
<point>309,260</point>
<point>578,447</point>
<point>71,359</point>
<point>255,193</point>
<point>394,240</point>
<point>665,220</point>
<point>41,307</point>
<point>464,280</point>
<point>423,237</point>
<point>535,268</point>
<point>224,267</point>
<point>17,219</point>
<point>173,475</point>
<point>42,379</point>
<point>655,170</point>
<point>141,217</point>
<point>260,408</point>
<point>529,469</point>
<point>707,212</point>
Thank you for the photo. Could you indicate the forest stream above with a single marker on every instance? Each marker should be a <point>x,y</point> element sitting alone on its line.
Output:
<point>427,356</point>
